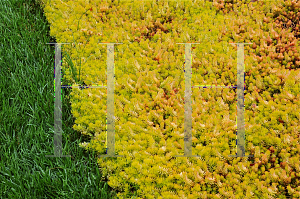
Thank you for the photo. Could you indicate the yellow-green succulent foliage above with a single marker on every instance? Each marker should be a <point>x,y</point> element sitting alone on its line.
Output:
<point>149,93</point>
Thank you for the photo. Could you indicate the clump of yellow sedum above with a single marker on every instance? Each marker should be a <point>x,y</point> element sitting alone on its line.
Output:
<point>149,97</point>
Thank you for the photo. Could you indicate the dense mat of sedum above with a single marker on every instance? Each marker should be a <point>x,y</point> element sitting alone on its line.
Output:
<point>149,93</point>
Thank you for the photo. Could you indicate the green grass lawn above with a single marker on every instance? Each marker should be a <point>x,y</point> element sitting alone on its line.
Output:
<point>27,115</point>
